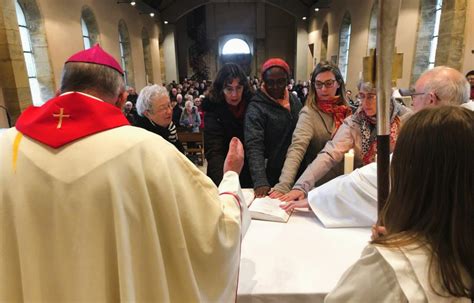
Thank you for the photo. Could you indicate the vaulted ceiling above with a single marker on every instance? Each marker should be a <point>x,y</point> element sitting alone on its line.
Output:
<point>172,10</point>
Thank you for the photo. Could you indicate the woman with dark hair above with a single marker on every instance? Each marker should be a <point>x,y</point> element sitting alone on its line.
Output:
<point>427,251</point>
<point>357,132</point>
<point>224,119</point>
<point>325,110</point>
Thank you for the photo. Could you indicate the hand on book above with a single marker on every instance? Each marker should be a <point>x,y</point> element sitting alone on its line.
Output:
<point>289,206</point>
<point>293,195</point>
<point>234,160</point>
<point>275,194</point>
<point>261,191</point>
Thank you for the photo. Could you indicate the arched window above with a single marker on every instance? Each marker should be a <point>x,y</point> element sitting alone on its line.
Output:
<point>434,38</point>
<point>126,54</point>
<point>85,35</point>
<point>28,55</point>
<point>235,46</point>
<point>90,30</point>
<point>324,42</point>
<point>439,40</point>
<point>147,57</point>
<point>344,43</point>
<point>372,41</point>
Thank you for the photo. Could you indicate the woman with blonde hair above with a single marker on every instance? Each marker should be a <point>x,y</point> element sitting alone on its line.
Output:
<point>324,111</point>
<point>427,252</point>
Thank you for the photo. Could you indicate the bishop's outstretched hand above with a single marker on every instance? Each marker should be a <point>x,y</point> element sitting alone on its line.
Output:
<point>234,160</point>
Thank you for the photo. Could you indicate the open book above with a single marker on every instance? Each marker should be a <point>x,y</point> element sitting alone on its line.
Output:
<point>268,209</point>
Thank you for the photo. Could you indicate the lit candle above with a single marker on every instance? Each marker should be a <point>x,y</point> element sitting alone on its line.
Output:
<point>349,161</point>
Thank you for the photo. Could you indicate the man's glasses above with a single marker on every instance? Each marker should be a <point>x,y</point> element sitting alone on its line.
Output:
<point>229,90</point>
<point>328,83</point>
<point>363,96</point>
<point>276,83</point>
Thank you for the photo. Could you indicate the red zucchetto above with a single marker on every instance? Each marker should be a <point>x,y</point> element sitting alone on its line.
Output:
<point>96,55</point>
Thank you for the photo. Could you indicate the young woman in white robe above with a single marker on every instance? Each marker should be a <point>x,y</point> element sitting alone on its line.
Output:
<point>426,252</point>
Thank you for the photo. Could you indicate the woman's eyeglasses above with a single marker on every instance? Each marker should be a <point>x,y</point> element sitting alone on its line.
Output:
<point>363,96</point>
<point>328,84</point>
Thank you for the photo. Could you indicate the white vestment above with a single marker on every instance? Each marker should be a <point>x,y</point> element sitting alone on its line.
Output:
<point>469,105</point>
<point>347,201</point>
<point>391,275</point>
<point>120,215</point>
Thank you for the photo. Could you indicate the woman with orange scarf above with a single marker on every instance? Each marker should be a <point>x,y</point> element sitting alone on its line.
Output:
<point>358,132</point>
<point>325,110</point>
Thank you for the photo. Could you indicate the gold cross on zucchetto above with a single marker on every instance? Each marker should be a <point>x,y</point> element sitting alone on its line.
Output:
<point>61,115</point>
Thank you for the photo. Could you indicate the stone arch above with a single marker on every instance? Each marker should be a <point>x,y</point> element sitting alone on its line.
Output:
<point>344,44</point>
<point>147,57</point>
<point>372,40</point>
<point>324,41</point>
<point>126,53</point>
<point>44,71</point>
<point>89,19</point>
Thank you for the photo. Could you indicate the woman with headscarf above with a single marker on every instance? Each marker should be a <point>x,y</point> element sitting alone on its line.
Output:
<point>358,132</point>
<point>270,119</point>
<point>324,112</point>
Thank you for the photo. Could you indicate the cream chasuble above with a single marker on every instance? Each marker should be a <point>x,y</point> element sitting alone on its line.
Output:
<point>120,215</point>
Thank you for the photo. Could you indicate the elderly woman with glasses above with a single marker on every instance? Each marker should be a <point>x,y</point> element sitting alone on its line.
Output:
<point>270,119</point>
<point>358,132</point>
<point>324,112</point>
<point>224,119</point>
<point>155,114</point>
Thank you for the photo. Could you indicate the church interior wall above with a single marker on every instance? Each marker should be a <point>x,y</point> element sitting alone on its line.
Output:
<point>406,36</point>
<point>278,36</point>
<point>63,32</point>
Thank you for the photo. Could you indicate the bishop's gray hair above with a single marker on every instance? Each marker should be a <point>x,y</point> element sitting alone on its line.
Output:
<point>147,94</point>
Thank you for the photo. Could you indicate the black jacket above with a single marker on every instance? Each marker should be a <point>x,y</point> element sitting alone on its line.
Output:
<point>268,131</point>
<point>220,125</point>
<point>169,134</point>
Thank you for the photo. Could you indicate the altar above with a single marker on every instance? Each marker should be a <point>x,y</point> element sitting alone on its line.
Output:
<point>297,261</point>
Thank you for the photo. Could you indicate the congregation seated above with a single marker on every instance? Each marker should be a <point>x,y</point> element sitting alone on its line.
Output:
<point>130,112</point>
<point>190,119</point>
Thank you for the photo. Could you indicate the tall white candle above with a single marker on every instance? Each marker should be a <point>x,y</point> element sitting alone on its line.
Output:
<point>349,161</point>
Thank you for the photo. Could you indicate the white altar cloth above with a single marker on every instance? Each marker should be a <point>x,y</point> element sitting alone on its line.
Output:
<point>298,261</point>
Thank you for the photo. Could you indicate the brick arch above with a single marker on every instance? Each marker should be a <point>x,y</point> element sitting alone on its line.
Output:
<point>39,43</point>
<point>89,18</point>
<point>147,57</point>
<point>127,62</point>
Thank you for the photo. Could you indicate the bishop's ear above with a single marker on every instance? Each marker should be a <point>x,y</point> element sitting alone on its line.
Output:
<point>121,99</point>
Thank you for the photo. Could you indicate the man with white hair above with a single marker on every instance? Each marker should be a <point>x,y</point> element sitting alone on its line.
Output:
<point>95,210</point>
<point>351,200</point>
<point>155,114</point>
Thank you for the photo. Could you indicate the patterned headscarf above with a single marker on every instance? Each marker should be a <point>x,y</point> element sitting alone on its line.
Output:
<point>368,130</point>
